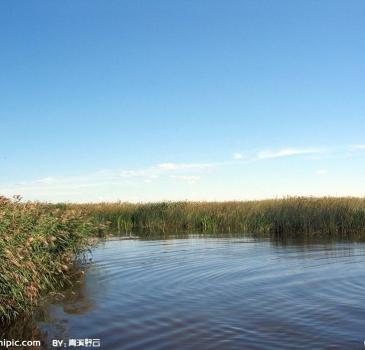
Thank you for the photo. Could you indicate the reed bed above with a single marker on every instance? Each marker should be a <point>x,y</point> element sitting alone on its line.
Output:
<point>292,216</point>
<point>38,246</point>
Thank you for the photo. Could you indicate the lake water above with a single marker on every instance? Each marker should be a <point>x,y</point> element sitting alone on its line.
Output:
<point>216,293</point>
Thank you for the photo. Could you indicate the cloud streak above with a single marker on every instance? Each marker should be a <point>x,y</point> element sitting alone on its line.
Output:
<point>287,152</point>
<point>60,188</point>
<point>237,156</point>
<point>190,179</point>
<point>356,148</point>
<point>321,172</point>
<point>179,166</point>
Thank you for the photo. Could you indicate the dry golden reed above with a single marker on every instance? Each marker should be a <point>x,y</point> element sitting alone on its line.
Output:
<point>38,244</point>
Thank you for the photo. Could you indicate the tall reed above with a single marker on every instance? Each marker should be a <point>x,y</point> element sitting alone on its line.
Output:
<point>288,216</point>
<point>38,245</point>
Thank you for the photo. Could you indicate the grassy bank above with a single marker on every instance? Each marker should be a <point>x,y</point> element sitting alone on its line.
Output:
<point>38,245</point>
<point>281,217</point>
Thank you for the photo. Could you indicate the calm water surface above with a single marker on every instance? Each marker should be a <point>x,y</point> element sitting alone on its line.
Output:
<point>217,293</point>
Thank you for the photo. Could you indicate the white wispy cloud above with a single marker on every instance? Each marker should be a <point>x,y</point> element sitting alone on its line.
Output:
<point>288,152</point>
<point>190,179</point>
<point>355,148</point>
<point>47,180</point>
<point>133,173</point>
<point>166,179</point>
<point>178,166</point>
<point>321,172</point>
<point>96,184</point>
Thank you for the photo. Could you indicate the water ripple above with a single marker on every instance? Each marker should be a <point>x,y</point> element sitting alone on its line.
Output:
<point>227,293</point>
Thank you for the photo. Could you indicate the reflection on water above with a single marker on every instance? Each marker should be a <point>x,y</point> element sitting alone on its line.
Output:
<point>214,293</point>
<point>50,319</point>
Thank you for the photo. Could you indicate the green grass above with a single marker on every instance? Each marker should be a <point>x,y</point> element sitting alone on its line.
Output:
<point>296,216</point>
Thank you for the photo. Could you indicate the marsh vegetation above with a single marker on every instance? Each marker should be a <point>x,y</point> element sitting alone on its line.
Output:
<point>280,217</point>
<point>38,247</point>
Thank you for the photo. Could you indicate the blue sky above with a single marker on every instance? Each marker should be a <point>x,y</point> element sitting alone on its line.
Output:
<point>166,100</point>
